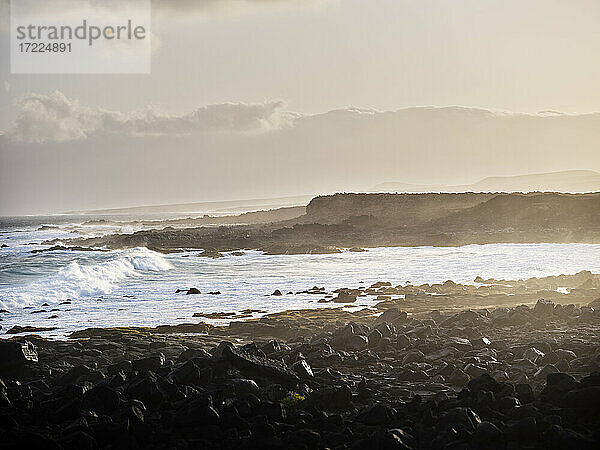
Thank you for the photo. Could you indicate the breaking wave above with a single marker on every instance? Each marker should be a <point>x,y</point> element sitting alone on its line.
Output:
<point>79,280</point>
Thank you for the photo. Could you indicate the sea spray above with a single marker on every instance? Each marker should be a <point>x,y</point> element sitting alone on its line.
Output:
<point>78,280</point>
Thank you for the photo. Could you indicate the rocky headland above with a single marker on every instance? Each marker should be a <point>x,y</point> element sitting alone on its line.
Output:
<point>372,220</point>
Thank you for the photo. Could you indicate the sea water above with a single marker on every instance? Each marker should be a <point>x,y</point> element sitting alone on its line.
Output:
<point>136,287</point>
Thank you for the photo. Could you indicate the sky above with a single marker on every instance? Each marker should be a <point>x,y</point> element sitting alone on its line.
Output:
<point>226,74</point>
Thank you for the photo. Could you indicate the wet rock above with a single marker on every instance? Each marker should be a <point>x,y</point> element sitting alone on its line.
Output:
<point>458,378</point>
<point>356,342</point>
<point>197,410</point>
<point>243,387</point>
<point>16,358</point>
<point>585,400</point>
<point>102,398</point>
<point>191,353</point>
<point>480,343</point>
<point>459,419</point>
<point>374,338</point>
<point>345,296</point>
<point>533,354</point>
<point>193,291</point>
<point>334,398</point>
<point>592,379</point>
<point>28,329</point>
<point>483,382</point>
<point>489,436</point>
<point>524,393</point>
<point>566,355</point>
<point>302,369</point>
<point>78,374</point>
<point>544,307</point>
<point>558,438</point>
<point>413,356</point>
<point>377,414</point>
<point>147,388</point>
<point>558,382</point>
<point>459,343</point>
<point>189,374</point>
<point>151,363</point>
<point>349,338</point>
<point>393,315</point>
<point>211,254</point>
<point>78,440</point>
<point>393,439</point>
<point>402,341</point>
<point>261,367</point>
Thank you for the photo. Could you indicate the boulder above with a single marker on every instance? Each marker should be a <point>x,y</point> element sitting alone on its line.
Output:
<point>345,296</point>
<point>243,387</point>
<point>211,254</point>
<point>489,436</point>
<point>193,291</point>
<point>543,307</point>
<point>459,418</point>
<point>152,363</point>
<point>559,438</point>
<point>302,369</point>
<point>188,374</point>
<point>356,342</point>
<point>459,343</point>
<point>256,366</point>
<point>413,356</point>
<point>533,354</point>
<point>374,338</point>
<point>16,358</point>
<point>558,385</point>
<point>28,329</point>
<point>392,315</point>
<point>377,414</point>
<point>458,378</point>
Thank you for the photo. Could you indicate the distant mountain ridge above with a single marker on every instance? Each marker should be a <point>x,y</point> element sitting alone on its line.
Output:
<point>568,181</point>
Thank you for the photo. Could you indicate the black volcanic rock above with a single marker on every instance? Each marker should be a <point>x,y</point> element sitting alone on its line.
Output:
<point>16,358</point>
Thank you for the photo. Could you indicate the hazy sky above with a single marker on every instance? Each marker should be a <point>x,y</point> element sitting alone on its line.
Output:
<point>273,57</point>
<point>518,55</point>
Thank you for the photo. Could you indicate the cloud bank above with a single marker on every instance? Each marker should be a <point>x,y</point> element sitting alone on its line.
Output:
<point>91,158</point>
<point>57,118</point>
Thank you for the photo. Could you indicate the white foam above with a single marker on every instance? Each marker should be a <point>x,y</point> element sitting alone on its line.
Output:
<point>77,280</point>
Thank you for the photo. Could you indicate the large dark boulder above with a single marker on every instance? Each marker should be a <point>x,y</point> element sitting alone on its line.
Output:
<point>585,400</point>
<point>559,438</point>
<point>459,418</point>
<point>543,307</point>
<point>151,363</point>
<point>393,439</point>
<point>483,382</point>
<point>558,384</point>
<point>78,374</point>
<point>16,358</point>
<point>257,367</point>
<point>378,414</point>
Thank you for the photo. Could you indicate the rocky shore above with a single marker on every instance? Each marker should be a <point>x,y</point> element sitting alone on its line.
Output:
<point>498,365</point>
<point>377,220</point>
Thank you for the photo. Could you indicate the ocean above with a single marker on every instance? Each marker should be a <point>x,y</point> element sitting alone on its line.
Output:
<point>137,287</point>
